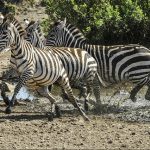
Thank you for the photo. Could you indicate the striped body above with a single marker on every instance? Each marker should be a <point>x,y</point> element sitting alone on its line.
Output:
<point>38,68</point>
<point>78,64</point>
<point>45,66</point>
<point>117,63</point>
<point>121,62</point>
<point>35,35</point>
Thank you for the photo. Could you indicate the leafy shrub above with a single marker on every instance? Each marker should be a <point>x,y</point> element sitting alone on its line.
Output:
<point>45,26</point>
<point>105,21</point>
<point>9,7</point>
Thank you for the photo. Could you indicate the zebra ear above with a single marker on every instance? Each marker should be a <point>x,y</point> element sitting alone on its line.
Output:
<point>1,18</point>
<point>9,17</point>
<point>62,24</point>
<point>9,26</point>
<point>65,21</point>
<point>36,24</point>
<point>26,21</point>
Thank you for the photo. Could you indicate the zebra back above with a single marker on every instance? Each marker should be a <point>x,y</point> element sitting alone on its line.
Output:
<point>116,63</point>
<point>76,62</point>
<point>63,34</point>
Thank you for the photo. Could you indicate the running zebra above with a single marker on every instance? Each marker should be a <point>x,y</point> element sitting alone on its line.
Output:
<point>69,61</point>
<point>117,63</point>
<point>37,68</point>
<point>34,33</point>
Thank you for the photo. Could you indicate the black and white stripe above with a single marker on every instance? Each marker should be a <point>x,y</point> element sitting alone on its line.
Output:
<point>37,68</point>
<point>78,63</point>
<point>117,63</point>
<point>34,34</point>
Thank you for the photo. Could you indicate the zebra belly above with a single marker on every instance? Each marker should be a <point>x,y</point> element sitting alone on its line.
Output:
<point>34,83</point>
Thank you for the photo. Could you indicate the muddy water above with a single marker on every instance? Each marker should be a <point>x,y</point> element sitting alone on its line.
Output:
<point>115,103</point>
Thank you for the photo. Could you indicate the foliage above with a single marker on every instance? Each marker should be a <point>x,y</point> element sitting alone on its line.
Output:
<point>45,25</point>
<point>13,5</point>
<point>105,21</point>
<point>9,7</point>
<point>31,2</point>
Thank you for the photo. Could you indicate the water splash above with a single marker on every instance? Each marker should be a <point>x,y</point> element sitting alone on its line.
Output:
<point>22,95</point>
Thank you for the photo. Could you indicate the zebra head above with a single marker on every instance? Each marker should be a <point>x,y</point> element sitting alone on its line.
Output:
<point>34,34</point>
<point>5,34</point>
<point>63,34</point>
<point>55,36</point>
<point>8,32</point>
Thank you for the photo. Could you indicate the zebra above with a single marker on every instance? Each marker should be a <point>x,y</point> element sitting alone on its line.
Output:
<point>34,35</point>
<point>116,63</point>
<point>1,17</point>
<point>37,68</point>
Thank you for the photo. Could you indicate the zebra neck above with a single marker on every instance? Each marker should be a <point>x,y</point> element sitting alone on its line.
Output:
<point>37,40</point>
<point>39,43</point>
<point>87,47</point>
<point>17,47</point>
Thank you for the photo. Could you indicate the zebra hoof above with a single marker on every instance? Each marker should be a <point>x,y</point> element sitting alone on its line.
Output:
<point>58,112</point>
<point>147,97</point>
<point>50,116</point>
<point>6,101</point>
<point>133,99</point>
<point>8,110</point>
<point>65,96</point>
<point>86,106</point>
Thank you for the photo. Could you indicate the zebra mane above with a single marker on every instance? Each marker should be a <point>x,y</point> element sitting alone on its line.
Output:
<point>9,18</point>
<point>69,27</point>
<point>31,23</point>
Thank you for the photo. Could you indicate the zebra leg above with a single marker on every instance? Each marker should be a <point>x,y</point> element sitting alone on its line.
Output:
<point>3,94</point>
<point>81,87</point>
<point>64,83</point>
<point>11,73</point>
<point>134,92</point>
<point>22,81</point>
<point>147,95</point>
<point>83,91</point>
<point>44,91</point>
<point>50,87</point>
<point>87,96</point>
<point>96,90</point>
<point>12,102</point>
<point>64,94</point>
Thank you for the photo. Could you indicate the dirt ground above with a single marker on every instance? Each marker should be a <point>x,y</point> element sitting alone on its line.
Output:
<point>33,131</point>
<point>28,126</point>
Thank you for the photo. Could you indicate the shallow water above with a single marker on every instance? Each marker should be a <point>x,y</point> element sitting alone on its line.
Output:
<point>121,99</point>
<point>22,95</point>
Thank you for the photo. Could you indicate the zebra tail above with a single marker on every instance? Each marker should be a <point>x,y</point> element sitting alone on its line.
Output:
<point>101,82</point>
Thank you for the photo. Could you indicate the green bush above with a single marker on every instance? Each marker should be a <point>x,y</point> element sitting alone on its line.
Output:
<point>45,26</point>
<point>10,7</point>
<point>105,21</point>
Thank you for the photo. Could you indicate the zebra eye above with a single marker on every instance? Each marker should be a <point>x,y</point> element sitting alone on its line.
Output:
<point>30,30</point>
<point>56,29</point>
